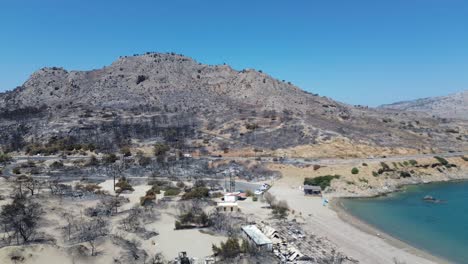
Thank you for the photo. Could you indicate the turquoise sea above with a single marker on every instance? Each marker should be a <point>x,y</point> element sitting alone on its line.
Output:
<point>440,229</point>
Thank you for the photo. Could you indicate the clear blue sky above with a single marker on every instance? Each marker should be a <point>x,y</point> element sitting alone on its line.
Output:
<point>360,51</point>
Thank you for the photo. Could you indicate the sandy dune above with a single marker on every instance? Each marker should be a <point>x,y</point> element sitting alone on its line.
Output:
<point>169,242</point>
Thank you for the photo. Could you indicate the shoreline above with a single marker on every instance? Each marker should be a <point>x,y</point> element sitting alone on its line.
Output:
<point>400,188</point>
<point>336,205</point>
<point>352,236</point>
<point>351,241</point>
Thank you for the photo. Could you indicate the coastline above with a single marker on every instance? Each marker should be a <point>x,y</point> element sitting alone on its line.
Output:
<point>360,242</point>
<point>353,242</point>
<point>401,188</point>
<point>336,205</point>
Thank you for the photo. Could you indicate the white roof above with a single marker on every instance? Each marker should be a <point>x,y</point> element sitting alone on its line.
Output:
<point>227,204</point>
<point>232,194</point>
<point>256,235</point>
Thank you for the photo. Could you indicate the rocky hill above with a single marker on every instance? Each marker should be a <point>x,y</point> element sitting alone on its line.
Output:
<point>450,106</point>
<point>174,98</point>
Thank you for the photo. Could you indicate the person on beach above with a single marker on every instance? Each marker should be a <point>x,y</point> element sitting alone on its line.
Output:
<point>325,202</point>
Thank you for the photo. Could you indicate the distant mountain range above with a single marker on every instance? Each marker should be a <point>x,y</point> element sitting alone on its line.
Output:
<point>450,106</point>
<point>154,95</point>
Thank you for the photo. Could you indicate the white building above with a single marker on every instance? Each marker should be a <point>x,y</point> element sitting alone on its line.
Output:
<point>227,207</point>
<point>258,237</point>
<point>230,198</point>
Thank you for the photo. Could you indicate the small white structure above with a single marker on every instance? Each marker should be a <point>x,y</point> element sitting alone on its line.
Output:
<point>227,207</point>
<point>231,197</point>
<point>312,190</point>
<point>258,237</point>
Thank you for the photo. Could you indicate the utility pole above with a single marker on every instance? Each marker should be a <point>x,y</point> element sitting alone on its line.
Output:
<point>232,180</point>
<point>225,183</point>
<point>232,183</point>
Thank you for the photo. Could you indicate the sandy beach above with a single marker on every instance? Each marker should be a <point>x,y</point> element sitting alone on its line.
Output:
<point>354,238</point>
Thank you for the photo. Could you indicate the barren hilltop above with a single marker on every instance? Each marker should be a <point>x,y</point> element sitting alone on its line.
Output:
<point>143,97</point>
<point>450,106</point>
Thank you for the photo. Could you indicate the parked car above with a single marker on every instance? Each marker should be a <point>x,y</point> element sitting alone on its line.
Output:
<point>258,192</point>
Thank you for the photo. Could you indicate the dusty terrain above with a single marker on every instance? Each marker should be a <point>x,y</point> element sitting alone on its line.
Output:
<point>333,235</point>
<point>366,182</point>
<point>114,247</point>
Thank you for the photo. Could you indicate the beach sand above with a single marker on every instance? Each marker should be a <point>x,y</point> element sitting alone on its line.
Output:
<point>364,243</point>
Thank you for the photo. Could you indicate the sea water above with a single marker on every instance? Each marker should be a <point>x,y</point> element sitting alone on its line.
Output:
<point>439,228</point>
